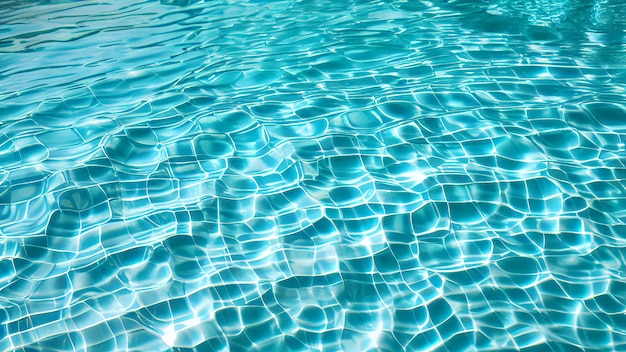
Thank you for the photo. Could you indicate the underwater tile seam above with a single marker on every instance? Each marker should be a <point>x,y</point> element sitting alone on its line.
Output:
<point>191,175</point>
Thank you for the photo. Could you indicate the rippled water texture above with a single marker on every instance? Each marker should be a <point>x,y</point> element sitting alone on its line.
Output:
<point>313,175</point>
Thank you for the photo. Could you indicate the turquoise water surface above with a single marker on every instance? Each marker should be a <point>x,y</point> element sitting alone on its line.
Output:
<point>313,175</point>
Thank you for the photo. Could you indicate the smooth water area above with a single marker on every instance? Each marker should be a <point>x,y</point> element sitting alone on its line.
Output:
<point>313,175</point>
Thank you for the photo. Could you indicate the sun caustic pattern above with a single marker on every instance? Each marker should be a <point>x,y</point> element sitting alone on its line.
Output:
<point>313,175</point>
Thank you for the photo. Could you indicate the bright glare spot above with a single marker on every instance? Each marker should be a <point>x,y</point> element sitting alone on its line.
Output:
<point>415,175</point>
<point>375,335</point>
<point>193,322</point>
<point>169,336</point>
<point>576,315</point>
<point>170,333</point>
<point>531,158</point>
<point>266,253</point>
<point>133,73</point>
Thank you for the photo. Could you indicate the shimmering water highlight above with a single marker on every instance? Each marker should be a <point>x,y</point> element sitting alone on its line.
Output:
<point>312,175</point>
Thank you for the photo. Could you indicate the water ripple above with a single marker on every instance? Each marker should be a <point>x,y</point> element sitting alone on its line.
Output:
<point>312,175</point>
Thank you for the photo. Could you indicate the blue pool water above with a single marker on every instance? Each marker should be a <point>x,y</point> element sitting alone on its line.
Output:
<point>313,175</point>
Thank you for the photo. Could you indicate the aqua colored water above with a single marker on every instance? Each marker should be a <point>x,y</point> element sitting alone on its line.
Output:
<point>313,175</point>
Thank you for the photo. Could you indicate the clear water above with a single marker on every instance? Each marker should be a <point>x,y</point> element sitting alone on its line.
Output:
<point>313,175</point>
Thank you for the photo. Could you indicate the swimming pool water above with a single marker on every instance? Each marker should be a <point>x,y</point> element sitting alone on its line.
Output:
<point>313,175</point>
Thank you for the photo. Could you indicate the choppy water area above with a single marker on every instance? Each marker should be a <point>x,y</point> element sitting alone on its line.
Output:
<point>312,175</point>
